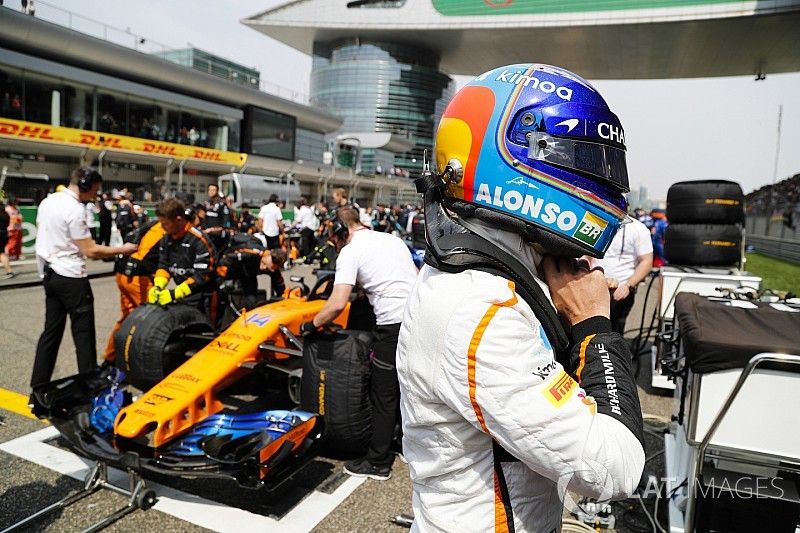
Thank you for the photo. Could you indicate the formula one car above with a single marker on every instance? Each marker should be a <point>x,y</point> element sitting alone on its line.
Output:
<point>189,424</point>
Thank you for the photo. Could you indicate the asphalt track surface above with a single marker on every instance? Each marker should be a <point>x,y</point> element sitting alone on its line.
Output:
<point>26,487</point>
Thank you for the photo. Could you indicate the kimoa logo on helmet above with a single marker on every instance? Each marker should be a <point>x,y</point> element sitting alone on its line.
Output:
<point>509,76</point>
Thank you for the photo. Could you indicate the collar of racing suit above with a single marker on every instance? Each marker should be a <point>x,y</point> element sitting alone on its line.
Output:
<point>454,246</point>
<point>508,241</point>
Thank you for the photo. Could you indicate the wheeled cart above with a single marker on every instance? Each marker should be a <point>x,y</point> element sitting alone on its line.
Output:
<point>675,280</point>
<point>732,455</point>
<point>139,497</point>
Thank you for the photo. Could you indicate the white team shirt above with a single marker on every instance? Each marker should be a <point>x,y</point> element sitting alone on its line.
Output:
<point>270,216</point>
<point>381,264</point>
<point>631,242</point>
<point>305,217</point>
<point>60,221</point>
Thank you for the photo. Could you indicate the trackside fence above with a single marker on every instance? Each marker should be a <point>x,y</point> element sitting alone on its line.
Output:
<point>772,236</point>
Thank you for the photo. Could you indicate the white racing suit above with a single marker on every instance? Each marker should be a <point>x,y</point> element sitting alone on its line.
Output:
<point>478,377</point>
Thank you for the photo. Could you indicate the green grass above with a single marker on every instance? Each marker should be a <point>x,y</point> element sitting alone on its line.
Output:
<point>776,274</point>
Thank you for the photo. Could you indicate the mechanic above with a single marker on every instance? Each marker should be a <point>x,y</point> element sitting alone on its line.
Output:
<point>325,253</point>
<point>324,250</point>
<point>5,223</point>
<point>628,260</point>
<point>63,243</point>
<point>339,198</point>
<point>502,409</point>
<point>187,256</point>
<point>246,222</point>
<point>660,225</point>
<point>217,222</point>
<point>125,219</point>
<point>134,275</point>
<point>307,222</point>
<point>246,258</point>
<point>381,265</point>
<point>272,222</point>
<point>104,235</point>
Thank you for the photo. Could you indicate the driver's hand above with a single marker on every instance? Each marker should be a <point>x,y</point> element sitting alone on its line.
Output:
<point>578,291</point>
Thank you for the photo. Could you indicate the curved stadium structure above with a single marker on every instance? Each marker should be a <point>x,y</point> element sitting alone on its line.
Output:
<point>382,65</point>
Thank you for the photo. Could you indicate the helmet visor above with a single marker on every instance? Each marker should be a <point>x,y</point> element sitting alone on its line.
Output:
<point>601,160</point>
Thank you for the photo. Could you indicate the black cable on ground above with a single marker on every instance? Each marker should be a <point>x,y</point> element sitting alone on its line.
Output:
<point>639,342</point>
<point>642,340</point>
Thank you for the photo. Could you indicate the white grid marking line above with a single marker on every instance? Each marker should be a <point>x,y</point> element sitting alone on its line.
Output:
<point>205,513</point>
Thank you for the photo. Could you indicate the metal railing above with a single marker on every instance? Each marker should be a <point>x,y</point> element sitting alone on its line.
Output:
<point>775,247</point>
<point>129,39</point>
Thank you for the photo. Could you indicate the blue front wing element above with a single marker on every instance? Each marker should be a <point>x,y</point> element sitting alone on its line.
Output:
<point>107,403</point>
<point>274,424</point>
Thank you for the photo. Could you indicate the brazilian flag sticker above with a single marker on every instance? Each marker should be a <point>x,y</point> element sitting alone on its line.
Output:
<point>590,229</point>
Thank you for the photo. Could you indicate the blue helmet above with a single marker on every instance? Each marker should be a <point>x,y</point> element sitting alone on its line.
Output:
<point>535,148</point>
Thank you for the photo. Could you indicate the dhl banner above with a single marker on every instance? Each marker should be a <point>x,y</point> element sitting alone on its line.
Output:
<point>18,129</point>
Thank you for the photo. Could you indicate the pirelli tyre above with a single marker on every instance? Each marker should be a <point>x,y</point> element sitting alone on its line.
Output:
<point>703,244</point>
<point>705,202</point>
<point>335,385</point>
<point>149,344</point>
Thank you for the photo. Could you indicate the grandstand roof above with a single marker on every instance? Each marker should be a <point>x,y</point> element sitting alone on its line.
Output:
<point>31,35</point>
<point>612,39</point>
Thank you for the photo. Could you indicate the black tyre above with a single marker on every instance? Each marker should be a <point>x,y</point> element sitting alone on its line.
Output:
<point>149,344</point>
<point>705,202</point>
<point>703,244</point>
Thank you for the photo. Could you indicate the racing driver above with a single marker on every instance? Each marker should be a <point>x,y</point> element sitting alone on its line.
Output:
<point>504,407</point>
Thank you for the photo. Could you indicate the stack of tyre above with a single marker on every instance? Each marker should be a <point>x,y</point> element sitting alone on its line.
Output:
<point>706,221</point>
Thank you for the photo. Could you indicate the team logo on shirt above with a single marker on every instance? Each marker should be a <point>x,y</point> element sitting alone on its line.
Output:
<point>590,229</point>
<point>559,389</point>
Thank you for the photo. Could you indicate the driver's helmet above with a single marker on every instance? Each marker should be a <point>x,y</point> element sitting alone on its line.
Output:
<point>536,148</point>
